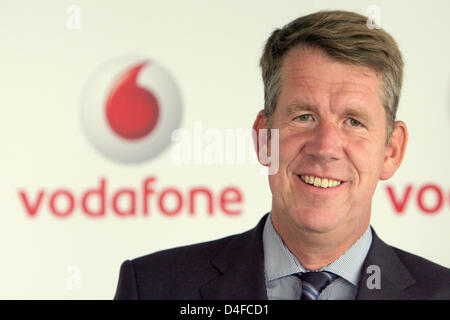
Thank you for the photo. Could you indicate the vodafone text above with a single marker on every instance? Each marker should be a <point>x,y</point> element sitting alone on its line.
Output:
<point>429,198</point>
<point>171,201</point>
<point>130,202</point>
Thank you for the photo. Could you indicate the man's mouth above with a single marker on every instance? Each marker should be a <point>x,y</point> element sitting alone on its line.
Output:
<point>320,182</point>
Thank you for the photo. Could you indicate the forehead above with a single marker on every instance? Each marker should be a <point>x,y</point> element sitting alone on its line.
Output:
<point>309,76</point>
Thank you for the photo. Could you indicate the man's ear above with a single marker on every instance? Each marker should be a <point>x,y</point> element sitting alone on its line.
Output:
<point>260,123</point>
<point>395,150</point>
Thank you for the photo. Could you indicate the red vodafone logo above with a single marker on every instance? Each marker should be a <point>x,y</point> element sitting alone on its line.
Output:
<point>129,108</point>
<point>132,111</point>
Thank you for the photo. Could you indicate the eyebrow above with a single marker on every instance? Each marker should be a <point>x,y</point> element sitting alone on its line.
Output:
<point>356,113</point>
<point>348,111</point>
<point>297,107</point>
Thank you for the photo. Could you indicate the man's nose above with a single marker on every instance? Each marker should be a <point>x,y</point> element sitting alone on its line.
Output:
<point>325,143</point>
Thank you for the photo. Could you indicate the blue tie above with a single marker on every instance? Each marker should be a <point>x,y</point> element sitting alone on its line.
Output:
<point>314,282</point>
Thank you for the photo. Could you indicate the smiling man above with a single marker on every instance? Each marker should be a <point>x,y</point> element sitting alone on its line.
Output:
<point>333,146</point>
<point>332,89</point>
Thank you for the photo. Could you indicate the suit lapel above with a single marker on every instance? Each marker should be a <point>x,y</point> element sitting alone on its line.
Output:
<point>241,268</point>
<point>393,275</point>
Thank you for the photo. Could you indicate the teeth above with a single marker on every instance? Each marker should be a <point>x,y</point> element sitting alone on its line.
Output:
<point>317,182</point>
<point>320,183</point>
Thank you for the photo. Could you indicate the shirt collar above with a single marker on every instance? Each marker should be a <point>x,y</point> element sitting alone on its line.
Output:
<point>279,261</point>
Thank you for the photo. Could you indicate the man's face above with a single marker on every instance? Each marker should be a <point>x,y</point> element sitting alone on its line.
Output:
<point>332,126</point>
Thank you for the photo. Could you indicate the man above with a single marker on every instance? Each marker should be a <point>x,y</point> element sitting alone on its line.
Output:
<point>332,88</point>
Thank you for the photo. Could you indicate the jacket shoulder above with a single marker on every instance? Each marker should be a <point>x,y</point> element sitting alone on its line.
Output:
<point>432,279</point>
<point>227,267</point>
<point>170,274</point>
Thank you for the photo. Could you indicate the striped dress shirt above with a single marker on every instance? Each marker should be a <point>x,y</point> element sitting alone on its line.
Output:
<point>281,267</point>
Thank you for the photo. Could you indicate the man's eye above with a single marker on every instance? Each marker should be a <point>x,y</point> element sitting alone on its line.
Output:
<point>355,123</point>
<point>304,117</point>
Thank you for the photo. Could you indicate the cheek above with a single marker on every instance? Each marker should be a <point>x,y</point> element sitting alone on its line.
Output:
<point>367,161</point>
<point>288,149</point>
<point>289,146</point>
<point>279,188</point>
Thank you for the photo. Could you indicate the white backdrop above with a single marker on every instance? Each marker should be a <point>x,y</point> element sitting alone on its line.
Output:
<point>212,49</point>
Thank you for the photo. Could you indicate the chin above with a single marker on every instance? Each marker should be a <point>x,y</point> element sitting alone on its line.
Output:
<point>315,220</point>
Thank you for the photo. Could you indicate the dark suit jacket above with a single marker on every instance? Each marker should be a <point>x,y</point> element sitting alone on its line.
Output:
<point>233,268</point>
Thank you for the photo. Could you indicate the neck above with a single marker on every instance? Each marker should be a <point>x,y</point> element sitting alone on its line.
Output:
<point>316,250</point>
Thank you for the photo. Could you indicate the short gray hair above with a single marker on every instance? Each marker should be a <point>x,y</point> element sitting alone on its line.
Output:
<point>343,36</point>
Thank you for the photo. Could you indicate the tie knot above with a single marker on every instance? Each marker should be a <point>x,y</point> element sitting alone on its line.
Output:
<point>314,282</point>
